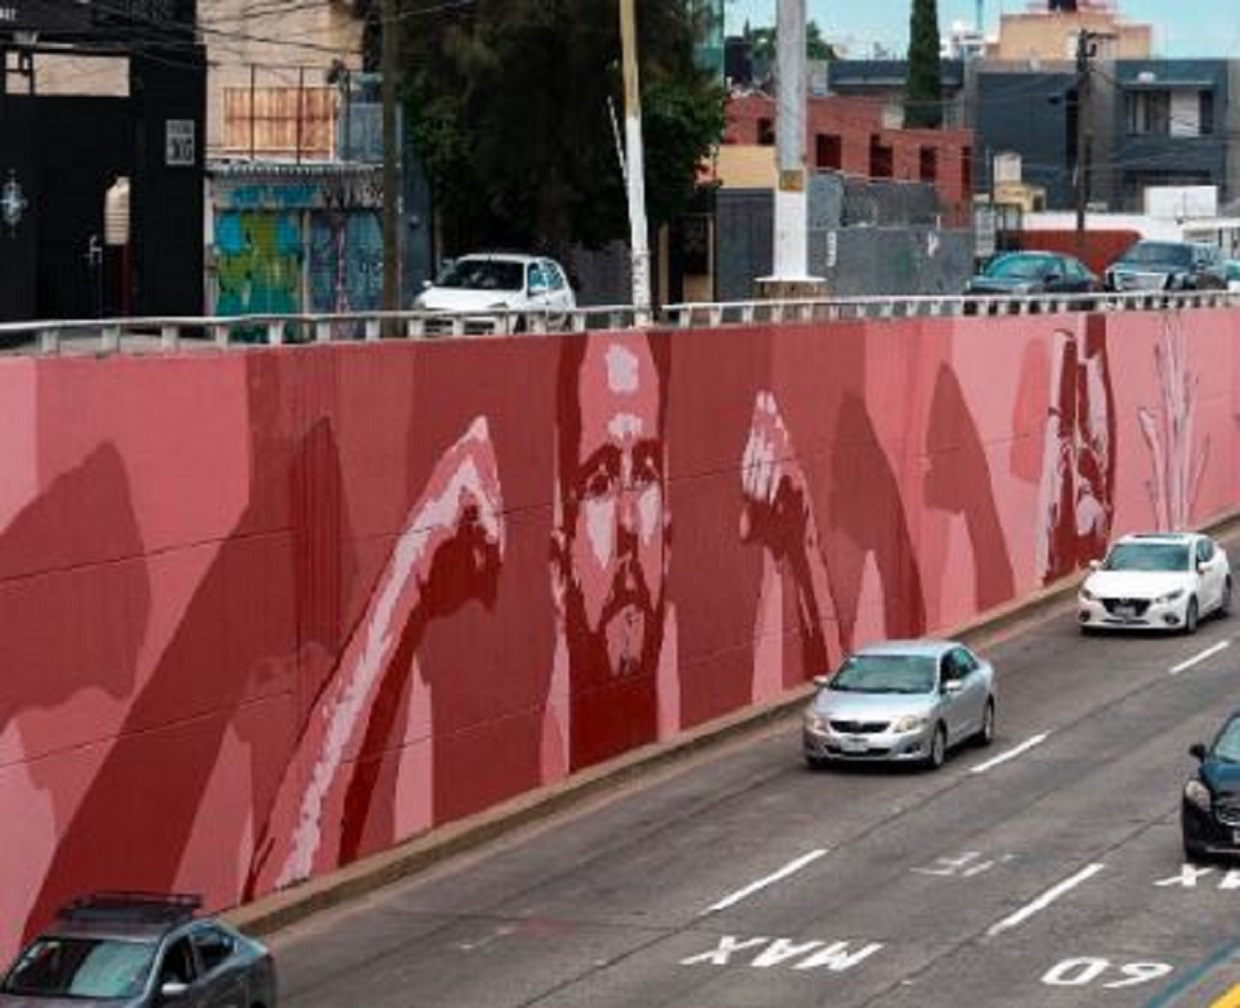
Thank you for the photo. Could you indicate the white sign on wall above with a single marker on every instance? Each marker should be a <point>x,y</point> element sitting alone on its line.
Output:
<point>179,142</point>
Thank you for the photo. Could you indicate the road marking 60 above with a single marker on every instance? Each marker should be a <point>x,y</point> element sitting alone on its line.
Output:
<point>1087,969</point>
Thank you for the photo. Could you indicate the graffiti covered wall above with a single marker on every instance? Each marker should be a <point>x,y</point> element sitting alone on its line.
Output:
<point>308,586</point>
<point>304,239</point>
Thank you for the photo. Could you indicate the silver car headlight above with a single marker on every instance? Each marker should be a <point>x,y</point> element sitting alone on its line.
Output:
<point>815,722</point>
<point>911,722</point>
<point>1198,794</point>
<point>1171,596</point>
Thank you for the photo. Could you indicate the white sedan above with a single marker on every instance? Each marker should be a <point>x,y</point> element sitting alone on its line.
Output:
<point>1156,581</point>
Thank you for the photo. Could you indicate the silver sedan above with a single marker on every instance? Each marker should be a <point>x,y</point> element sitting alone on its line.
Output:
<point>901,701</point>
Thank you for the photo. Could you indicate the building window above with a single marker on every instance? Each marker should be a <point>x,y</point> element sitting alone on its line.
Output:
<point>1148,113</point>
<point>928,164</point>
<point>882,163</point>
<point>280,121</point>
<point>766,132</point>
<point>1205,112</point>
<point>828,151</point>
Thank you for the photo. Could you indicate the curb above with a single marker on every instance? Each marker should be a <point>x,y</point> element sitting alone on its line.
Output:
<point>279,910</point>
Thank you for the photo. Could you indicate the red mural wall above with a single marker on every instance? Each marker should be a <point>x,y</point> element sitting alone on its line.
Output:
<point>269,612</point>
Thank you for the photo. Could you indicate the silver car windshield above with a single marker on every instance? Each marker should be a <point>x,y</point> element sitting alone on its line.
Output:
<point>886,674</point>
<point>1147,557</point>
<point>95,968</point>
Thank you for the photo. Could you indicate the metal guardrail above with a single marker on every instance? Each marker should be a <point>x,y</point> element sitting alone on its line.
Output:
<point>124,335</point>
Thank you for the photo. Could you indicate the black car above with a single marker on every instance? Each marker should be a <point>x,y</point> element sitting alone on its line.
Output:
<point>1168,265</point>
<point>1034,273</point>
<point>1210,807</point>
<point>140,950</point>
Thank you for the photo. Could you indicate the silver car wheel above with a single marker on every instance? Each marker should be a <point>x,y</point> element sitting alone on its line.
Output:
<point>938,748</point>
<point>986,734</point>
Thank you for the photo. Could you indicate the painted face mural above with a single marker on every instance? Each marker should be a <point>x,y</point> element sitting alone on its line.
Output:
<point>610,541</point>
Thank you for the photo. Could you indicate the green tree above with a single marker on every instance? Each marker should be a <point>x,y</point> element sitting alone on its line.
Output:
<point>922,104</point>
<point>517,111</point>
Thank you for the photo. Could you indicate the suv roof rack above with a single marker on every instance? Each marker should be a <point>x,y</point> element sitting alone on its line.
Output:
<point>131,907</point>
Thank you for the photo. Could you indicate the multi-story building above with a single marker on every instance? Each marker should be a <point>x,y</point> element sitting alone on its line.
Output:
<point>1048,30</point>
<point>1151,123</point>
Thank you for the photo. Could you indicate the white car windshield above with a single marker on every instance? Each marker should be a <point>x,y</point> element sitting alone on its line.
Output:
<point>886,674</point>
<point>1147,557</point>
<point>94,968</point>
<point>483,274</point>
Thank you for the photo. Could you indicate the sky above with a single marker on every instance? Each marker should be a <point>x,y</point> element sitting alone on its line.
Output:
<point>1204,28</point>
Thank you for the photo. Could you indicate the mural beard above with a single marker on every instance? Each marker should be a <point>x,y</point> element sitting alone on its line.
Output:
<point>629,635</point>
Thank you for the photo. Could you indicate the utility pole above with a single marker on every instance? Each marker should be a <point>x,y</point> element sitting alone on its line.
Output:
<point>391,172</point>
<point>1086,47</point>
<point>791,277</point>
<point>634,165</point>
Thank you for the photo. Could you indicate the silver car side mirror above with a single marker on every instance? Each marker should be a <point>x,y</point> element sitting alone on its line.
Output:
<point>820,681</point>
<point>173,990</point>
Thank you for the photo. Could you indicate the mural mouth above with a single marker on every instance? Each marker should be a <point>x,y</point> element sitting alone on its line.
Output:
<point>625,634</point>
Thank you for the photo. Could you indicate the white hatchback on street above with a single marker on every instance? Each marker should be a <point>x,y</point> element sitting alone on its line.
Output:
<point>1156,581</point>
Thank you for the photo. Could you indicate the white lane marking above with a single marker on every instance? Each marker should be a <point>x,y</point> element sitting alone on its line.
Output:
<point>1197,658</point>
<point>762,883</point>
<point>1011,753</point>
<point>1043,901</point>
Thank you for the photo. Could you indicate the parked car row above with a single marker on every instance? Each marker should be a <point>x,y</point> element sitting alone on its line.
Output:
<point>1144,266</point>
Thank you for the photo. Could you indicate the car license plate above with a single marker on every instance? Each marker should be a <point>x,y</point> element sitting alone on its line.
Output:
<point>1125,612</point>
<point>854,744</point>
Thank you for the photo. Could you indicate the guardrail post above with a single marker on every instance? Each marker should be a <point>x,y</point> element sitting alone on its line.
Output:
<point>169,336</point>
<point>220,334</point>
<point>49,341</point>
<point>275,333</point>
<point>374,328</point>
<point>322,332</point>
<point>111,338</point>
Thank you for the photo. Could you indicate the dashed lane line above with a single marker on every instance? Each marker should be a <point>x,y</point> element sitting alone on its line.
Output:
<point>1197,659</point>
<point>790,868</point>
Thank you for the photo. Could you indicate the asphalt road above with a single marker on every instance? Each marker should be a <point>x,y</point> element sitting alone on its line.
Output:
<point>1044,871</point>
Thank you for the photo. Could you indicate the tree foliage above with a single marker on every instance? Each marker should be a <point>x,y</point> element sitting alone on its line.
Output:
<point>923,93</point>
<point>517,112</point>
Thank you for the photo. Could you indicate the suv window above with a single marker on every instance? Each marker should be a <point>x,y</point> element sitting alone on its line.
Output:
<point>214,946</point>
<point>1205,550</point>
<point>178,964</point>
<point>554,277</point>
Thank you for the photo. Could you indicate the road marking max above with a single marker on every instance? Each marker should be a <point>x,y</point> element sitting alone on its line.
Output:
<point>790,868</point>
<point>1198,658</point>
<point>1043,901</point>
<point>1011,753</point>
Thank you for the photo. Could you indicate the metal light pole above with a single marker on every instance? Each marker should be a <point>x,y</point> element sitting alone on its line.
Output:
<point>635,172</point>
<point>1086,49</point>
<point>391,173</point>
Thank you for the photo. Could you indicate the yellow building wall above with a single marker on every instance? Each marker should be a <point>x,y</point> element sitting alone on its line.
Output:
<point>745,166</point>
<point>1053,36</point>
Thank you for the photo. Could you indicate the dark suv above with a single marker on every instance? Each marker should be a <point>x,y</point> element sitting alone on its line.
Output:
<point>1168,265</point>
<point>140,950</point>
<point>1210,805</point>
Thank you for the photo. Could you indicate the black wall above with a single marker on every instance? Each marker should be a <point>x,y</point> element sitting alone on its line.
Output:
<point>18,243</point>
<point>67,151</point>
<point>167,200</point>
